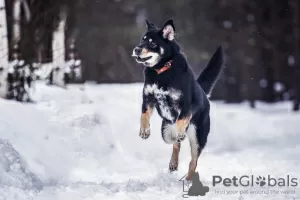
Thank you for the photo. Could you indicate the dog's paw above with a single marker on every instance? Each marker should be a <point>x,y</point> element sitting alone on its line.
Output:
<point>145,133</point>
<point>180,137</point>
<point>173,166</point>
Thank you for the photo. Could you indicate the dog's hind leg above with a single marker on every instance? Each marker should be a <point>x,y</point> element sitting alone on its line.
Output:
<point>197,138</point>
<point>195,151</point>
<point>173,166</point>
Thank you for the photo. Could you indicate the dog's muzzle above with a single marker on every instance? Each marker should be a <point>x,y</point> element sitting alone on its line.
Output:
<point>137,54</point>
<point>137,51</point>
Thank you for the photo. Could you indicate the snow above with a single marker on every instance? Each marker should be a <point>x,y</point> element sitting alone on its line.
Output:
<point>291,60</point>
<point>227,24</point>
<point>83,143</point>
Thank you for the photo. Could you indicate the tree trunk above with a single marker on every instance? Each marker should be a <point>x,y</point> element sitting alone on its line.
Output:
<point>58,51</point>
<point>265,39</point>
<point>3,49</point>
<point>16,30</point>
<point>296,104</point>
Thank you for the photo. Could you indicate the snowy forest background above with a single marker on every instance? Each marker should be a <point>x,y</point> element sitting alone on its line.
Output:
<point>80,140</point>
<point>260,38</point>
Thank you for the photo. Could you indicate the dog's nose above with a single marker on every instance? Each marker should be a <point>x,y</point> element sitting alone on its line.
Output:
<point>137,50</point>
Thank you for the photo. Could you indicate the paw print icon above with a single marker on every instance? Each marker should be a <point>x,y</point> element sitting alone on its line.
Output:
<point>261,181</point>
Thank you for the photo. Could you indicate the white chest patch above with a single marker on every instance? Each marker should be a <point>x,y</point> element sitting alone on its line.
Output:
<point>159,92</point>
<point>161,97</point>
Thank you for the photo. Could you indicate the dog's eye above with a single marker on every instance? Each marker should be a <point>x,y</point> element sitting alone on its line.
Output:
<point>153,45</point>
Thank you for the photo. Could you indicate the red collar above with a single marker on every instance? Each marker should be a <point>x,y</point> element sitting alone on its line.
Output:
<point>164,68</point>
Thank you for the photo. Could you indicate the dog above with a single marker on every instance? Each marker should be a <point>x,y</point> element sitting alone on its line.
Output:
<point>170,87</point>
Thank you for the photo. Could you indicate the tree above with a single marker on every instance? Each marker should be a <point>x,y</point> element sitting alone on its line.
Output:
<point>296,104</point>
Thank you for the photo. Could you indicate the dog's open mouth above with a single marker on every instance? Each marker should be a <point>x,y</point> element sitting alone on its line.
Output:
<point>139,59</point>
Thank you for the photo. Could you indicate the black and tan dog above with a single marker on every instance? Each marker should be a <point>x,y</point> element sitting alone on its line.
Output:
<point>171,88</point>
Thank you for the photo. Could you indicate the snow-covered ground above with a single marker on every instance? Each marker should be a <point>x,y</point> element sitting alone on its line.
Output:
<point>83,143</point>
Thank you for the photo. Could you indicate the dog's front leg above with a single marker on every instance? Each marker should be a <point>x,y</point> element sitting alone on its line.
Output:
<point>186,115</point>
<point>145,120</point>
<point>182,123</point>
<point>173,166</point>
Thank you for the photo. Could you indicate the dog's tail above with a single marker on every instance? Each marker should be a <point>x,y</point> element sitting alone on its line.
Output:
<point>209,76</point>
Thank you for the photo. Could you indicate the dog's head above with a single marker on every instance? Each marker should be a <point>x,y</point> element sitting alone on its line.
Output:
<point>155,44</point>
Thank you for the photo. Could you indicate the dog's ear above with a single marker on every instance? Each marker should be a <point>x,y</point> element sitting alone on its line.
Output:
<point>149,25</point>
<point>168,30</point>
